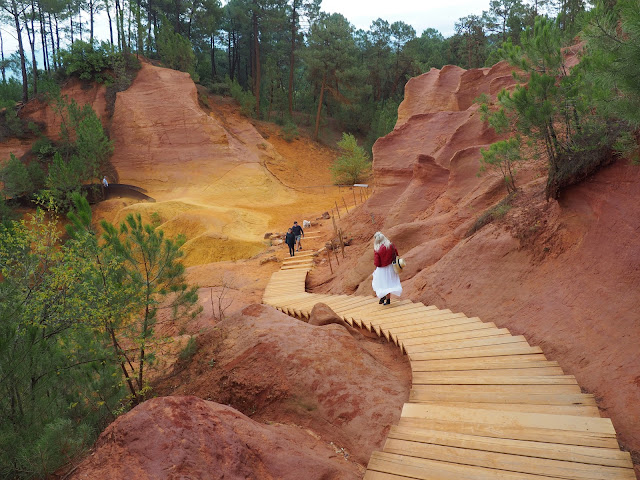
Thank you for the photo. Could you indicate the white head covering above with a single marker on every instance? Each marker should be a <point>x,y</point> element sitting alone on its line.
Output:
<point>378,240</point>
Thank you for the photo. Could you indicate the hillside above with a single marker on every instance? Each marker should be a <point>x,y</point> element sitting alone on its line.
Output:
<point>281,397</point>
<point>565,273</point>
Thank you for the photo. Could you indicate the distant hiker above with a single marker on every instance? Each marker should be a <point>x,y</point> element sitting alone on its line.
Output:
<point>385,280</point>
<point>105,182</point>
<point>290,239</point>
<point>298,232</point>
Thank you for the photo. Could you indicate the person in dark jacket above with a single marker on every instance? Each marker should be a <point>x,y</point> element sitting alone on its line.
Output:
<point>385,279</point>
<point>290,239</point>
<point>298,232</point>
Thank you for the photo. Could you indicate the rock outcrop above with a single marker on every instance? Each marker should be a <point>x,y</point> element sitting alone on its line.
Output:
<point>187,437</point>
<point>347,389</point>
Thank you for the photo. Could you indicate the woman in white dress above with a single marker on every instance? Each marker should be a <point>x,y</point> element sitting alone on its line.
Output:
<point>385,280</point>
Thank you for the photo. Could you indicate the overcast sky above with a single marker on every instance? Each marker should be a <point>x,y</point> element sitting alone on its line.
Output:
<point>438,14</point>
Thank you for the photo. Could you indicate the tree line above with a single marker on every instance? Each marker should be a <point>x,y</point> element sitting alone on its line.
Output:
<point>286,55</point>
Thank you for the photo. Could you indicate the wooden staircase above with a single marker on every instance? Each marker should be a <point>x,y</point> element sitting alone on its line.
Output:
<point>484,404</point>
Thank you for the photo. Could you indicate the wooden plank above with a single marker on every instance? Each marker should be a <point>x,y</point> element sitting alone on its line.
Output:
<point>570,453</point>
<point>514,463</point>
<point>371,475</point>
<point>487,351</point>
<point>420,393</point>
<point>448,337</point>
<point>509,361</point>
<point>480,342</point>
<point>428,318</point>
<point>536,370</point>
<point>576,410</point>
<point>497,430</point>
<point>601,426</point>
<point>373,307</point>
<point>461,327</point>
<point>425,469</point>
<point>416,331</point>
<point>449,378</point>
<point>502,389</point>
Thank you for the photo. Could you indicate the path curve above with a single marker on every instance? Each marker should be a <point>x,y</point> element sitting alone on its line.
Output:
<point>484,404</point>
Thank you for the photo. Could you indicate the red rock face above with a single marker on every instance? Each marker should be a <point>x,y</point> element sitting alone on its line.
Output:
<point>187,437</point>
<point>347,389</point>
<point>565,274</point>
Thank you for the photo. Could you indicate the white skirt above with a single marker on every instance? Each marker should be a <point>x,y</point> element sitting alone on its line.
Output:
<point>386,280</point>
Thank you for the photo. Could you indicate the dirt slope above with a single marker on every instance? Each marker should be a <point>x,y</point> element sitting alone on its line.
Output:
<point>563,273</point>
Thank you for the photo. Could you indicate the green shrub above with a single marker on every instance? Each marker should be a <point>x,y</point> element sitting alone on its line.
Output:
<point>494,213</point>
<point>220,88</point>
<point>11,125</point>
<point>15,177</point>
<point>246,99</point>
<point>290,131</point>
<point>87,61</point>
<point>176,51</point>
<point>353,165</point>
<point>189,350</point>
<point>10,92</point>
<point>502,156</point>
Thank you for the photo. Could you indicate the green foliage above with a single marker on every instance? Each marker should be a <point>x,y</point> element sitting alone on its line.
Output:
<point>611,63</point>
<point>11,125</point>
<point>175,51</point>
<point>89,62</point>
<point>245,98</point>
<point>353,165</point>
<point>494,213</point>
<point>10,93</point>
<point>56,390</point>
<point>503,156</point>
<point>554,109</point>
<point>150,267</point>
<point>383,122</point>
<point>290,131</point>
<point>189,350</point>
<point>15,177</point>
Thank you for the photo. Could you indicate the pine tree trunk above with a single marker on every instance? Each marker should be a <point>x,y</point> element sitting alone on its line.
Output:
<point>2,67</point>
<point>108,10</point>
<point>43,34</point>
<point>315,133</point>
<point>23,63</point>
<point>213,58</point>
<point>91,14</point>
<point>53,43</point>
<point>292,56</point>
<point>257,79</point>
<point>31,36</point>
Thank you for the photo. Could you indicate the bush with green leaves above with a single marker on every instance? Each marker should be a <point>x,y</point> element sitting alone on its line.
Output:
<point>176,51</point>
<point>56,389</point>
<point>15,177</point>
<point>503,156</point>
<point>552,110</point>
<point>87,61</point>
<point>290,131</point>
<point>245,98</point>
<point>353,164</point>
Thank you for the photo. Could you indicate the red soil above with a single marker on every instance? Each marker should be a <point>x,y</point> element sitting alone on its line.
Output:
<point>563,273</point>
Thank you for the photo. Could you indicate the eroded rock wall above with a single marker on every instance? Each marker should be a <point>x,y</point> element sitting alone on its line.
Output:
<point>563,273</point>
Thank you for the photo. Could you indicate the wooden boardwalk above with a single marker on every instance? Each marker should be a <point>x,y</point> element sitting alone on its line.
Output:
<point>484,404</point>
